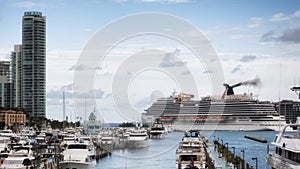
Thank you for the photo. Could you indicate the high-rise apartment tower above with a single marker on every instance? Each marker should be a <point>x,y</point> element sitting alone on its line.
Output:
<point>16,65</point>
<point>5,85</point>
<point>33,65</point>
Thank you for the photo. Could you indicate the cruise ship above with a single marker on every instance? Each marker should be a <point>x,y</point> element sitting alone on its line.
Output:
<point>229,112</point>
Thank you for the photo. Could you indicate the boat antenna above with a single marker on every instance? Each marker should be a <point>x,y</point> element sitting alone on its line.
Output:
<point>279,95</point>
<point>85,108</point>
<point>174,93</point>
<point>64,110</point>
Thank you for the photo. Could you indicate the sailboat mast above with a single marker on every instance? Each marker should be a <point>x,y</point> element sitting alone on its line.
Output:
<point>84,108</point>
<point>64,109</point>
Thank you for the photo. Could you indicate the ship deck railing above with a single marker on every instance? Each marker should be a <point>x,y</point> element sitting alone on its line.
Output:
<point>190,150</point>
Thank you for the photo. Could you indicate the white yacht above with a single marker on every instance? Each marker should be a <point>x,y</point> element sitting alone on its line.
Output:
<point>6,133</point>
<point>170,128</point>
<point>78,156</point>
<point>107,142</point>
<point>68,140</point>
<point>20,157</point>
<point>191,152</point>
<point>157,130</point>
<point>287,152</point>
<point>138,139</point>
<point>4,141</point>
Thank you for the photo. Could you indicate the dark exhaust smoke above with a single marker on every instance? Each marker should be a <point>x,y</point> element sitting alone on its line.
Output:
<point>229,89</point>
<point>254,82</point>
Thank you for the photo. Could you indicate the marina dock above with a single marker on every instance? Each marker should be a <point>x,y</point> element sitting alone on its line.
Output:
<point>262,140</point>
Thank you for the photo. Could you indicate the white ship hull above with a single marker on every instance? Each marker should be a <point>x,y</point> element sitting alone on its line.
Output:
<point>286,154</point>
<point>187,164</point>
<point>157,134</point>
<point>77,165</point>
<point>277,162</point>
<point>15,167</point>
<point>138,144</point>
<point>230,126</point>
<point>235,112</point>
<point>191,153</point>
<point>78,156</point>
<point>138,139</point>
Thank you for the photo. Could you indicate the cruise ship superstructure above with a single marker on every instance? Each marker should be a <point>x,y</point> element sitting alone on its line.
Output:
<point>232,112</point>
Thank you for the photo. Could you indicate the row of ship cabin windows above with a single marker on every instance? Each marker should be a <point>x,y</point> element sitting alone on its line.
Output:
<point>288,154</point>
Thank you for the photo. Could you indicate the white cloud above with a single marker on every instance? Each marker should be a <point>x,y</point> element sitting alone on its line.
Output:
<point>255,22</point>
<point>177,1</point>
<point>296,14</point>
<point>279,17</point>
<point>248,58</point>
<point>171,60</point>
<point>236,69</point>
<point>5,53</point>
<point>58,62</point>
<point>268,70</point>
<point>82,67</point>
<point>155,1</point>
<point>288,35</point>
<point>28,4</point>
<point>87,29</point>
<point>241,36</point>
<point>283,17</point>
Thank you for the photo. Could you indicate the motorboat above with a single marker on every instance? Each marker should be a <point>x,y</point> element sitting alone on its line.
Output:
<point>287,148</point>
<point>107,143</point>
<point>191,153</point>
<point>138,139</point>
<point>4,141</point>
<point>7,133</point>
<point>78,156</point>
<point>170,128</point>
<point>157,130</point>
<point>68,140</point>
<point>20,157</point>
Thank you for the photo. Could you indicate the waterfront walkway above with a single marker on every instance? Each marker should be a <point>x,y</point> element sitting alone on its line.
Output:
<point>218,161</point>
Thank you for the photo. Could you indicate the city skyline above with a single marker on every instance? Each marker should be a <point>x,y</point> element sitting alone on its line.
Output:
<point>251,39</point>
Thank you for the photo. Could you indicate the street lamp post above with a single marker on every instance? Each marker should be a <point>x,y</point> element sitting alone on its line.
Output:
<point>243,151</point>
<point>233,156</point>
<point>256,165</point>
<point>222,147</point>
<point>215,142</point>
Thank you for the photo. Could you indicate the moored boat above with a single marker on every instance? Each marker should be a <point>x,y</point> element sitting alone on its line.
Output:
<point>191,153</point>
<point>78,156</point>
<point>287,149</point>
<point>138,139</point>
<point>107,143</point>
<point>20,157</point>
<point>157,130</point>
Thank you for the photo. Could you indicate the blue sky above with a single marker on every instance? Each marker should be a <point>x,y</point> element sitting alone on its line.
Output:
<point>251,38</point>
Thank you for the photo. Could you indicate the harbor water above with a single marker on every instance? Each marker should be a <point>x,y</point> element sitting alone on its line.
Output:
<point>161,152</point>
